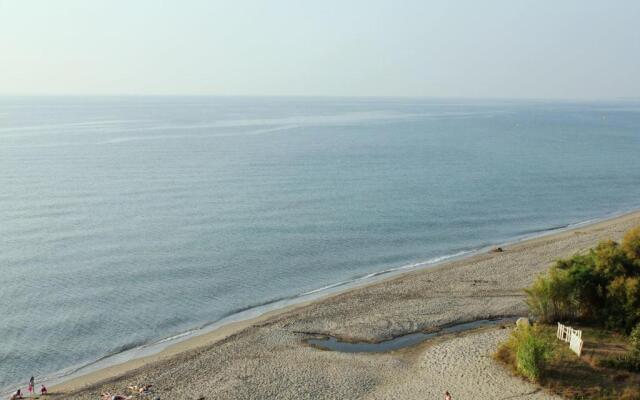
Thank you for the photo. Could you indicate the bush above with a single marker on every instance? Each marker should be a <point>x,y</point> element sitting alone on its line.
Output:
<point>631,245</point>
<point>530,352</point>
<point>610,261</point>
<point>634,339</point>
<point>623,303</point>
<point>549,298</point>
<point>602,286</point>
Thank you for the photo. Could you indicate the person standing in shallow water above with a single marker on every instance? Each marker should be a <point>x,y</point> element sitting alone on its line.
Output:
<point>32,385</point>
<point>447,396</point>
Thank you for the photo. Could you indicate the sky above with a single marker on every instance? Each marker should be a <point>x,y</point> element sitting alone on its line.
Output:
<point>569,49</point>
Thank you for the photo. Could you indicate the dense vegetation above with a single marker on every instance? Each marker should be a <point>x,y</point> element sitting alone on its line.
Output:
<point>600,292</point>
<point>586,377</point>
<point>601,287</point>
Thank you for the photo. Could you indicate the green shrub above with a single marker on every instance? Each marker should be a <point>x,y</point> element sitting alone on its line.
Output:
<point>623,303</point>
<point>550,298</point>
<point>602,286</point>
<point>634,339</point>
<point>531,351</point>
<point>631,245</point>
<point>610,261</point>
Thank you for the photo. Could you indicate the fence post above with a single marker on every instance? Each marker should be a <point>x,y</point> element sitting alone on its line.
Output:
<point>559,331</point>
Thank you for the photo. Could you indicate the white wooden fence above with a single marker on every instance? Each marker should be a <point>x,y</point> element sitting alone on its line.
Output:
<point>572,336</point>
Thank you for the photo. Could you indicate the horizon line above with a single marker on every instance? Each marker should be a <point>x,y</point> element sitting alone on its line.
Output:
<point>503,98</point>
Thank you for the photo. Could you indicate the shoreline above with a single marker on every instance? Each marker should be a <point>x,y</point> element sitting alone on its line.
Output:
<point>118,364</point>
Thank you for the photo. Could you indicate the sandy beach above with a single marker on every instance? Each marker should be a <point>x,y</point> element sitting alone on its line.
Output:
<point>268,358</point>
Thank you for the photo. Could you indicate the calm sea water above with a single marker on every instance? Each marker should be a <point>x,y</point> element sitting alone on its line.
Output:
<point>127,220</point>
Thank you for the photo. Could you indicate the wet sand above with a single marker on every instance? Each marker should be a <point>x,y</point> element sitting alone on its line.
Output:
<point>268,358</point>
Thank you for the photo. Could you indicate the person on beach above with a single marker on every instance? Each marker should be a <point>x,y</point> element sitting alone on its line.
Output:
<point>447,396</point>
<point>144,389</point>
<point>43,390</point>
<point>17,395</point>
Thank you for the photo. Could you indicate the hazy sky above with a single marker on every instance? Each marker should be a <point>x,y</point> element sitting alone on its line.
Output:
<point>510,48</point>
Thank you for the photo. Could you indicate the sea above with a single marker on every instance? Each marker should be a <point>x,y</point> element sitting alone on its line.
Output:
<point>131,221</point>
